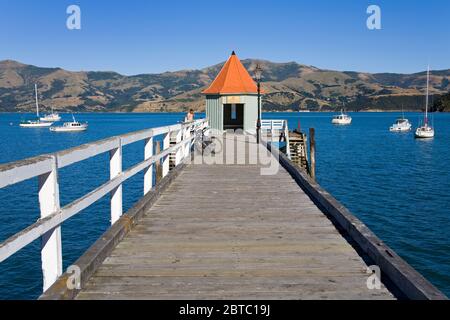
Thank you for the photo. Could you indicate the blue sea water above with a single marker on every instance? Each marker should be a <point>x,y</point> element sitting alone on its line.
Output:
<point>395,184</point>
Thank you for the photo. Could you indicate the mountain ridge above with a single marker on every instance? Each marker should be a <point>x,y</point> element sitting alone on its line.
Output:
<point>289,86</point>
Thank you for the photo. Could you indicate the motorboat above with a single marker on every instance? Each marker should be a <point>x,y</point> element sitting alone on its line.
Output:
<point>52,117</point>
<point>342,119</point>
<point>401,125</point>
<point>72,126</point>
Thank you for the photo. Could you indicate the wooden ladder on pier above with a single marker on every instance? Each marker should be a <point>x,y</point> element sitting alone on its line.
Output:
<point>298,149</point>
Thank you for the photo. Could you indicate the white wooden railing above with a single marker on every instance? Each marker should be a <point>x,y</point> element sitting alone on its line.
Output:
<point>276,128</point>
<point>45,168</point>
<point>273,125</point>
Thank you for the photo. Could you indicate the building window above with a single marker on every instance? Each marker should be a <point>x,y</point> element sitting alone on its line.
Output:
<point>233,112</point>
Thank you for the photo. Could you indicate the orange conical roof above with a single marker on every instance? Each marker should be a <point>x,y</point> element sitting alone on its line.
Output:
<point>232,79</point>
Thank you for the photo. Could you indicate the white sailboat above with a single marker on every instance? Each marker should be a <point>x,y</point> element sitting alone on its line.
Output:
<point>425,131</point>
<point>73,126</point>
<point>342,119</point>
<point>36,123</point>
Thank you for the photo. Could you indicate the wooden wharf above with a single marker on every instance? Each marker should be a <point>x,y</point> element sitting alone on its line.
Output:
<point>210,231</point>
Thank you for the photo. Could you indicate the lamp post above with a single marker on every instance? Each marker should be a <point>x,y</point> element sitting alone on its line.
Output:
<point>258,74</point>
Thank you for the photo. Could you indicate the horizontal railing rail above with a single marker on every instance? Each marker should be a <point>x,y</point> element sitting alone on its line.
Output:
<point>270,125</point>
<point>45,168</point>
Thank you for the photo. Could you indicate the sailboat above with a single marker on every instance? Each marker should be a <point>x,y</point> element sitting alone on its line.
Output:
<point>425,131</point>
<point>36,123</point>
<point>401,125</point>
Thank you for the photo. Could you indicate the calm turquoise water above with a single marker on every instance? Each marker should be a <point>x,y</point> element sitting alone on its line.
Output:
<point>397,185</point>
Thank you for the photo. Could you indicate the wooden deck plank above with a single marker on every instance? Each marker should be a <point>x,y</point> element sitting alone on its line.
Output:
<point>227,232</point>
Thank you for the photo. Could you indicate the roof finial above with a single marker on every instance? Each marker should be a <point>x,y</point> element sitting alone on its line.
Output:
<point>233,53</point>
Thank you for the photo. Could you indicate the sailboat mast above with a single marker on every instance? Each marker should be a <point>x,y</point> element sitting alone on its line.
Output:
<point>37,103</point>
<point>428,91</point>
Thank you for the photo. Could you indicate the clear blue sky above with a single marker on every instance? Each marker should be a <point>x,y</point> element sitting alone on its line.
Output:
<point>149,36</point>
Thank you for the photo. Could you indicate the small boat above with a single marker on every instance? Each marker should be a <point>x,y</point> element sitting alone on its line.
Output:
<point>425,131</point>
<point>73,126</point>
<point>52,117</point>
<point>36,123</point>
<point>342,119</point>
<point>401,125</point>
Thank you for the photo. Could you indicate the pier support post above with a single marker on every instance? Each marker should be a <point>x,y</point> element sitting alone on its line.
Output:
<point>148,173</point>
<point>115,165</point>
<point>312,150</point>
<point>166,159</point>
<point>51,247</point>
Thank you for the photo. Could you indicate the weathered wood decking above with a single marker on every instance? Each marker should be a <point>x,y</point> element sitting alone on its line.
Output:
<point>227,232</point>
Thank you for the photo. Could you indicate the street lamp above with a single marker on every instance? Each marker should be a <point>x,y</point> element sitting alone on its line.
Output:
<point>258,74</point>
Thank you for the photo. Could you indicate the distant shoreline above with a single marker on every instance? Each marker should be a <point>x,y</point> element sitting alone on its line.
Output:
<point>162,112</point>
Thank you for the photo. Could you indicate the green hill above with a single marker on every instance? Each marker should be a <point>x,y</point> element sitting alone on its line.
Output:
<point>443,103</point>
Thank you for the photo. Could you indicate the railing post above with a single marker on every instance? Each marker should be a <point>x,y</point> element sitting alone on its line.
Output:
<point>158,169</point>
<point>180,151</point>
<point>115,167</point>
<point>286,139</point>
<point>166,159</point>
<point>187,146</point>
<point>148,173</point>
<point>312,152</point>
<point>51,247</point>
